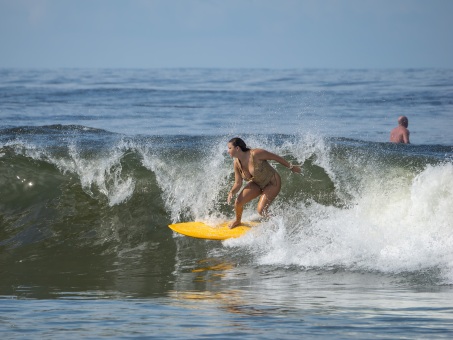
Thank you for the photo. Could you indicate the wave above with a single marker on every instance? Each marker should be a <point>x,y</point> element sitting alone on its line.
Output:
<point>357,205</point>
<point>394,226</point>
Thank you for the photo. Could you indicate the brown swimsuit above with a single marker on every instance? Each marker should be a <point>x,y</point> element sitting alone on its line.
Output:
<point>262,171</point>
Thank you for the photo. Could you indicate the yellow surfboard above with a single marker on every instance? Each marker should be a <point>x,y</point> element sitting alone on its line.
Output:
<point>214,232</point>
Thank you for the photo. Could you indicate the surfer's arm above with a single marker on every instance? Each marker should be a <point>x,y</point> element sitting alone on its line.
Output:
<point>237,184</point>
<point>269,156</point>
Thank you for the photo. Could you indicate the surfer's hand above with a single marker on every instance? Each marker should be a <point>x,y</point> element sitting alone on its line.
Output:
<point>230,197</point>
<point>296,168</point>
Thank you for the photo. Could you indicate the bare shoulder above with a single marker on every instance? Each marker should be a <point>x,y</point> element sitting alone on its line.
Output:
<point>258,151</point>
<point>262,154</point>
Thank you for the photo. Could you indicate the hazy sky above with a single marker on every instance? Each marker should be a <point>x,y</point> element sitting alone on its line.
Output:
<point>227,33</point>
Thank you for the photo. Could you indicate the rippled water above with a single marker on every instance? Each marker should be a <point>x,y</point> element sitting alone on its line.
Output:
<point>94,164</point>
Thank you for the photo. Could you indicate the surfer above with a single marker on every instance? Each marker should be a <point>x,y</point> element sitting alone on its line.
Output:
<point>400,134</point>
<point>263,180</point>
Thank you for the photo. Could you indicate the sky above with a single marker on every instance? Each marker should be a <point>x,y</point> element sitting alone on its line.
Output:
<point>280,34</point>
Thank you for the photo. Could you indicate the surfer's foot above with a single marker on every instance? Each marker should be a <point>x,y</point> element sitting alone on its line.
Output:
<point>234,224</point>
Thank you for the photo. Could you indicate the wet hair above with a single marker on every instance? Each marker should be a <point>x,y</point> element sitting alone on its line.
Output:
<point>236,141</point>
<point>403,121</point>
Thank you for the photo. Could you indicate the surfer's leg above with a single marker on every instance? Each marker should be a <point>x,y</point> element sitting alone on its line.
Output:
<point>250,191</point>
<point>269,193</point>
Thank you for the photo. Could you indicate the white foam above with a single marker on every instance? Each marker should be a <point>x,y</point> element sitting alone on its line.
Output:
<point>103,173</point>
<point>405,226</point>
<point>193,189</point>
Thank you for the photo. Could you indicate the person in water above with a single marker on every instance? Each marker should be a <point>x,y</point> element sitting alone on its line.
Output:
<point>263,180</point>
<point>400,134</point>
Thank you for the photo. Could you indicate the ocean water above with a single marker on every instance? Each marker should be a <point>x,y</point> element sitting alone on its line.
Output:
<point>94,164</point>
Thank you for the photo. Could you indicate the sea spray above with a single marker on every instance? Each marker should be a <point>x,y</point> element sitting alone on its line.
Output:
<point>103,172</point>
<point>374,234</point>
<point>191,189</point>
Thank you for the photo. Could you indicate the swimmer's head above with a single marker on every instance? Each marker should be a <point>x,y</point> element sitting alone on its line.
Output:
<point>402,120</point>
